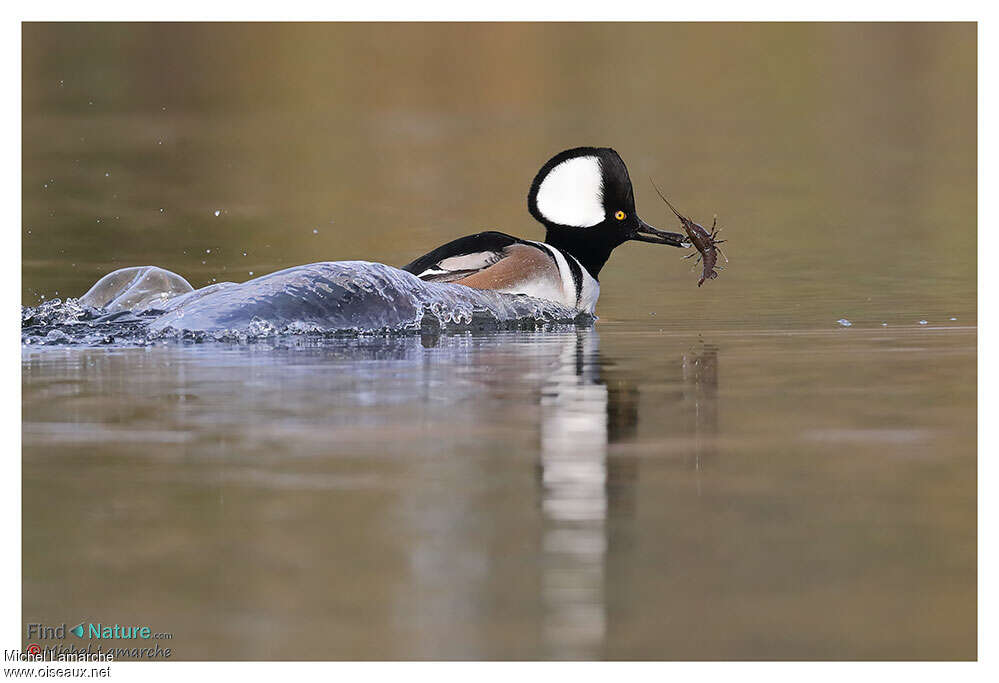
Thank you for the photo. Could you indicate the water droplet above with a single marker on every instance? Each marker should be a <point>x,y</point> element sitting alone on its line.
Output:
<point>884,324</point>
<point>251,272</point>
<point>218,212</point>
<point>922,322</point>
<point>244,253</point>
<point>107,174</point>
<point>844,322</point>
<point>315,232</point>
<point>208,251</point>
<point>953,318</point>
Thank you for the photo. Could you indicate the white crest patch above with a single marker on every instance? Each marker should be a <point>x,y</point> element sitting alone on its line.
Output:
<point>573,193</point>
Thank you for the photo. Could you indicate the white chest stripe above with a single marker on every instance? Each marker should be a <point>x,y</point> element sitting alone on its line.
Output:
<point>589,292</point>
<point>568,284</point>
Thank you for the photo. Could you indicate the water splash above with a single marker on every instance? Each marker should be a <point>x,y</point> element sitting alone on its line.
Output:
<point>144,305</point>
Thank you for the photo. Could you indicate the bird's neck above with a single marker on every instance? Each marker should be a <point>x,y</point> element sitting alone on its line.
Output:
<point>589,249</point>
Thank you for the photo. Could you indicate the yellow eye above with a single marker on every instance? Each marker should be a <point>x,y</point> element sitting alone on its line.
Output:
<point>620,215</point>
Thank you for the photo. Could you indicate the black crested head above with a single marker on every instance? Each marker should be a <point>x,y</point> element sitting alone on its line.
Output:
<point>585,200</point>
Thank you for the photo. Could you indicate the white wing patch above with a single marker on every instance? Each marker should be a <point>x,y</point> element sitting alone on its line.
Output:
<point>475,261</point>
<point>430,272</point>
<point>573,193</point>
<point>459,266</point>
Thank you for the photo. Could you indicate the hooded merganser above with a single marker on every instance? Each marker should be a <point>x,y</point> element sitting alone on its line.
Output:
<point>584,198</point>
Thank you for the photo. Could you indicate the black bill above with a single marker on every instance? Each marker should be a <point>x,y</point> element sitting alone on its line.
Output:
<point>647,233</point>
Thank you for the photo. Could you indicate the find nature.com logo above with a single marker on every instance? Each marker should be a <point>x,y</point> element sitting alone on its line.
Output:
<point>100,642</point>
<point>93,631</point>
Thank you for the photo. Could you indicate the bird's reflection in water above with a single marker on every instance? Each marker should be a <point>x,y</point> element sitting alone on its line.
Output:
<point>585,407</point>
<point>574,434</point>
